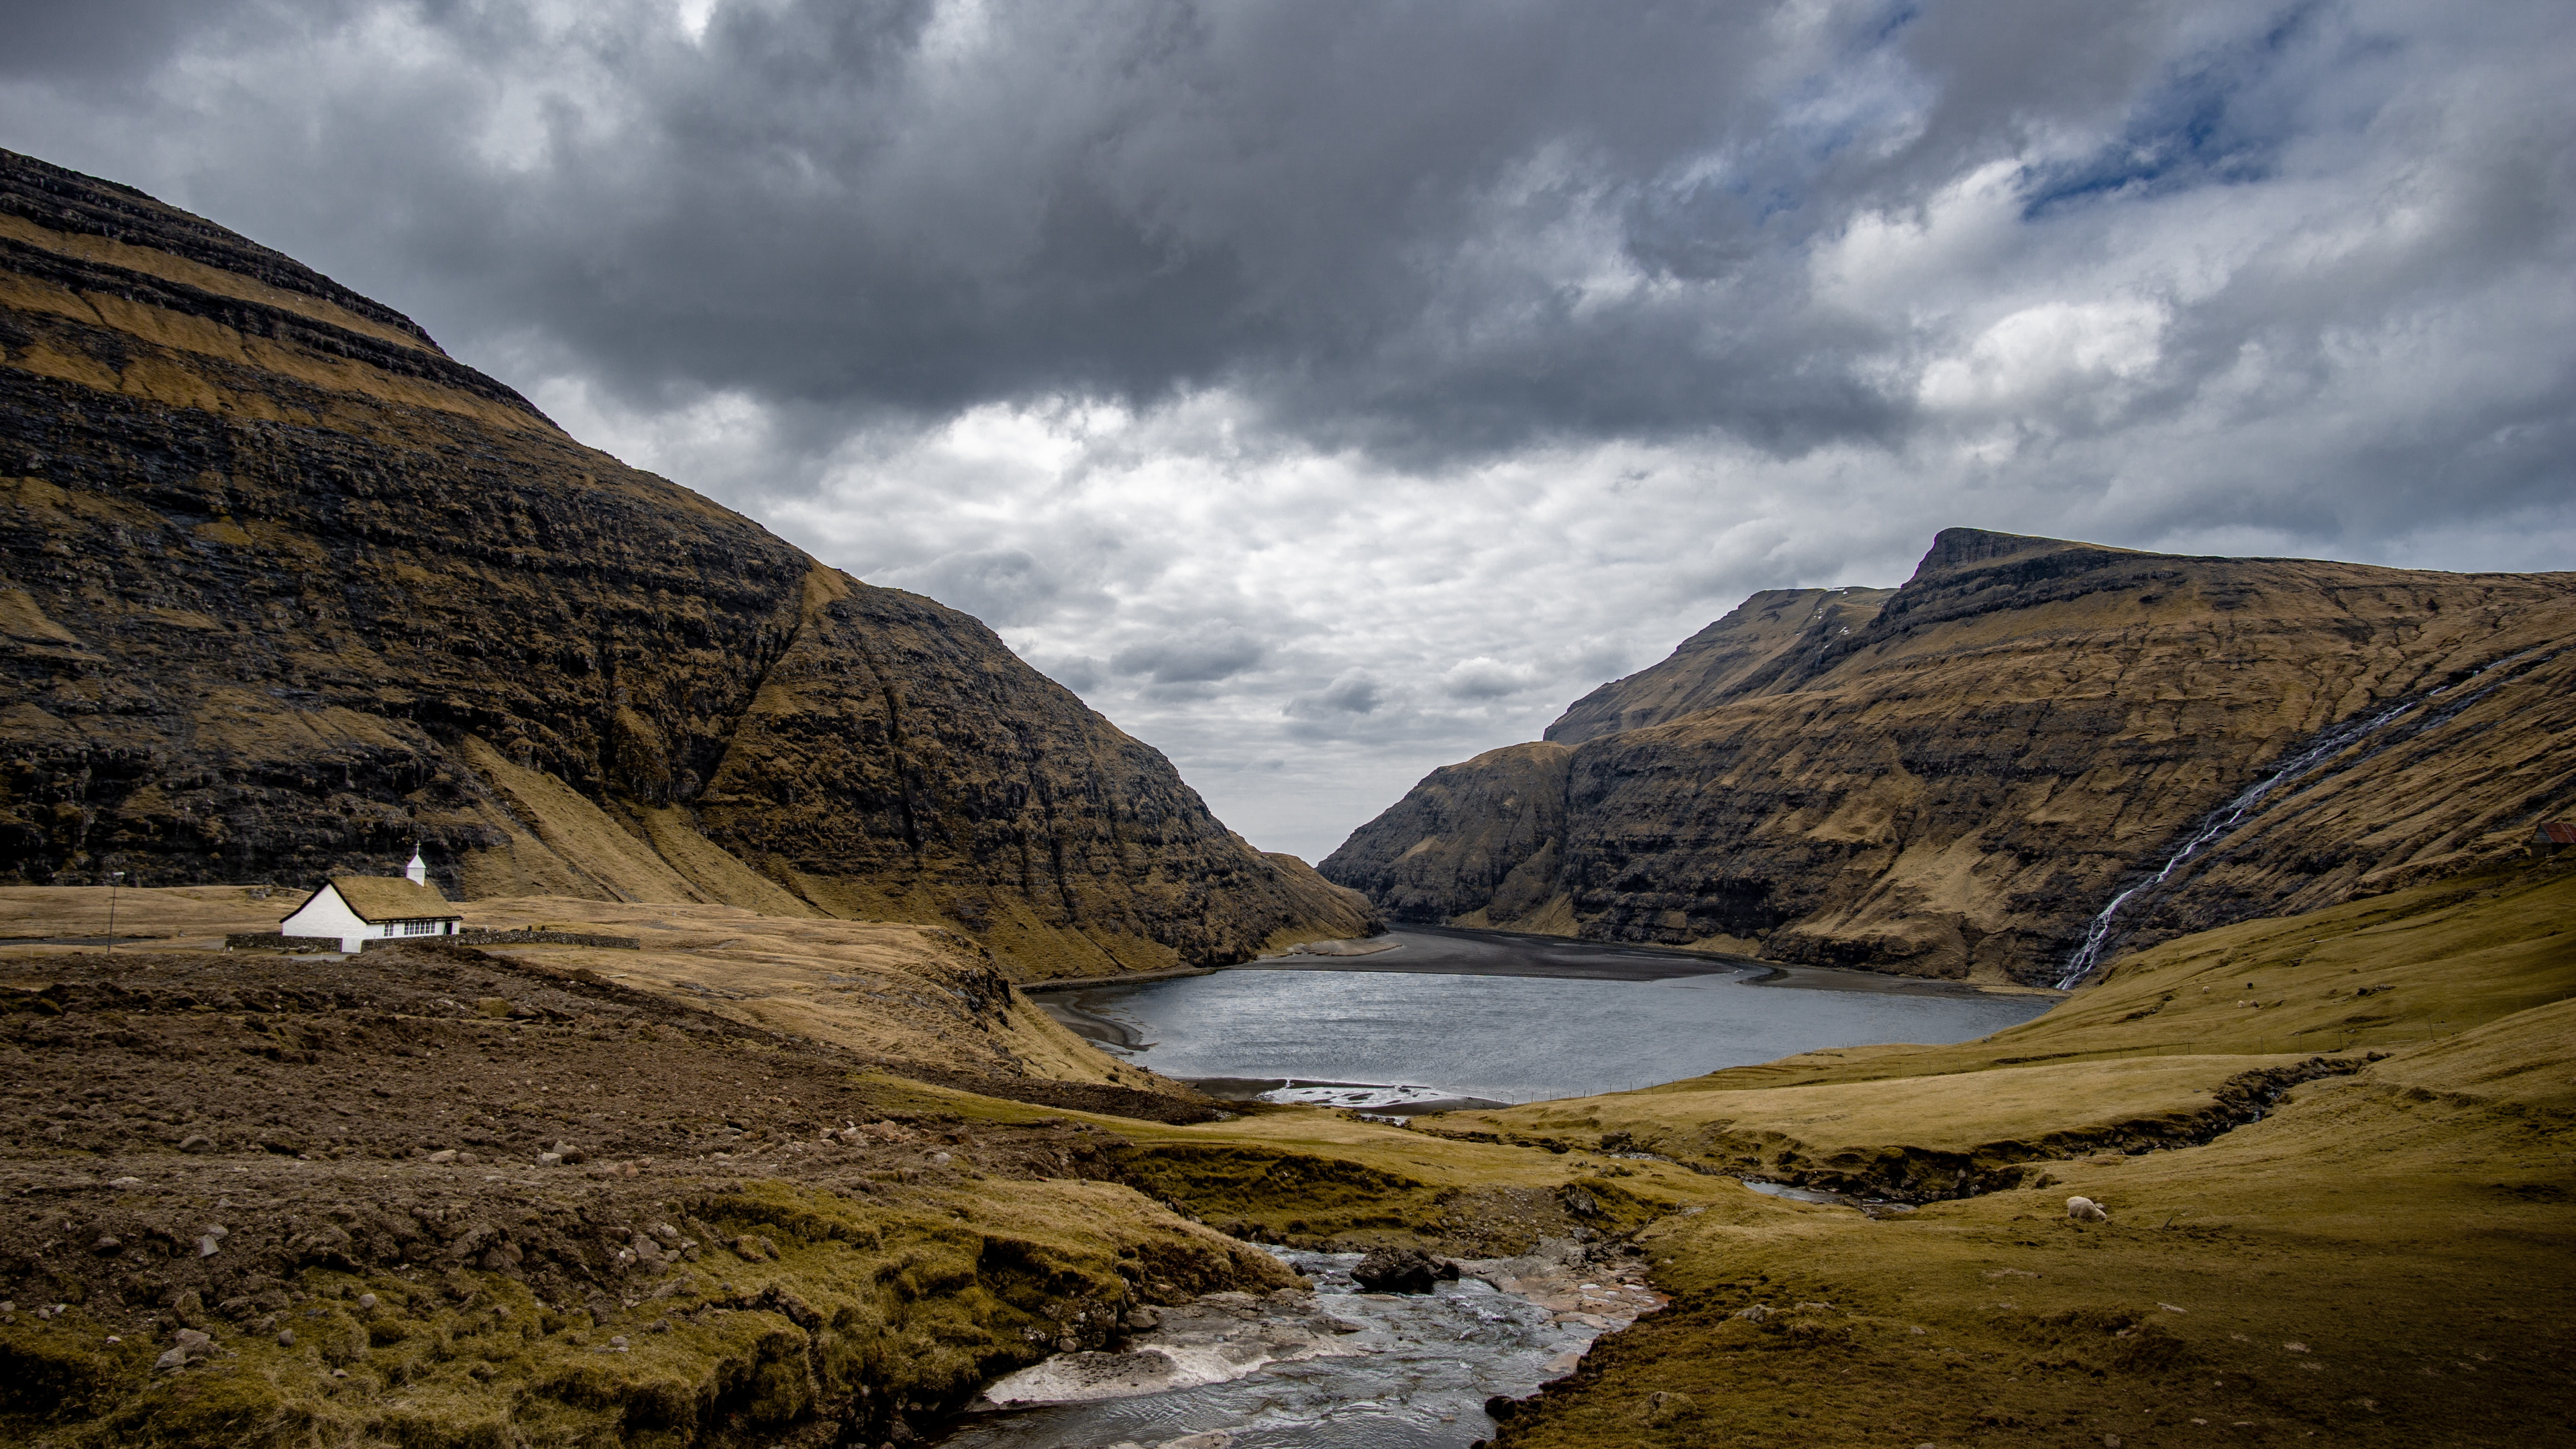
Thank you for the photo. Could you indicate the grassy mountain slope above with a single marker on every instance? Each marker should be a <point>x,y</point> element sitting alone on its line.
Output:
<point>1952,778</point>
<point>2368,1257</point>
<point>284,589</point>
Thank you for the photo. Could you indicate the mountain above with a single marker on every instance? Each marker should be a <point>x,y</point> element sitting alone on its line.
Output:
<point>287,588</point>
<point>1953,778</point>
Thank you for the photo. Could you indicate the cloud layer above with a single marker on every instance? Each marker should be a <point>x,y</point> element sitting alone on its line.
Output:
<point>1330,391</point>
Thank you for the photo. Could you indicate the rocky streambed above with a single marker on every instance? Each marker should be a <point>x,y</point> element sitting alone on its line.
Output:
<point>1327,1366</point>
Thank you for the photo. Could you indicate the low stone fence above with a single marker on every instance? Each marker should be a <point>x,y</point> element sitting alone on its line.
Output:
<point>473,937</point>
<point>272,941</point>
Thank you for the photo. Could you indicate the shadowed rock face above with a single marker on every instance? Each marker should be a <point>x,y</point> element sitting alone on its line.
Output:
<point>1953,777</point>
<point>288,589</point>
<point>1482,836</point>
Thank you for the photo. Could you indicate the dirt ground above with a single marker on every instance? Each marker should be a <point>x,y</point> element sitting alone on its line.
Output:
<point>241,1144</point>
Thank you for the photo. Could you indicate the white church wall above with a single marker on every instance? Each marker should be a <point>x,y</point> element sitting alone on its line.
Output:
<point>328,915</point>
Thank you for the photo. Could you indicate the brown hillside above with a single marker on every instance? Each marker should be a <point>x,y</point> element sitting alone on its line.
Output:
<point>286,588</point>
<point>2022,731</point>
<point>1772,640</point>
<point>1481,836</point>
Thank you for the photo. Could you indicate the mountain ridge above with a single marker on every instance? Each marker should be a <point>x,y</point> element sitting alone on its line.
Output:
<point>287,588</point>
<point>1952,777</point>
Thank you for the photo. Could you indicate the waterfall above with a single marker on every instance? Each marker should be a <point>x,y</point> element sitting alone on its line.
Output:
<point>2227,817</point>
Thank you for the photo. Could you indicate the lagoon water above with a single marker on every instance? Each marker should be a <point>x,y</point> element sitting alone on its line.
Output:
<point>1426,1019</point>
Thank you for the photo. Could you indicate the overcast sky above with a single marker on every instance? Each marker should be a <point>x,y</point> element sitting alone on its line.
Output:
<point>1332,391</point>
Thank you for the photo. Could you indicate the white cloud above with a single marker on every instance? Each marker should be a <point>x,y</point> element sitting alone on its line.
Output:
<point>2041,353</point>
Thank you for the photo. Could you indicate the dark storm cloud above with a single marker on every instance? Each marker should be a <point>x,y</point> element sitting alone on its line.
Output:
<point>101,40</point>
<point>1354,383</point>
<point>1201,657</point>
<point>1418,228</point>
<point>1422,230</point>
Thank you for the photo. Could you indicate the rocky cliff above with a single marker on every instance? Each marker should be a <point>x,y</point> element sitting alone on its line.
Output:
<point>1956,777</point>
<point>287,589</point>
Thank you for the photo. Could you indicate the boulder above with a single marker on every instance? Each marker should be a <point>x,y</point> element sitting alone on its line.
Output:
<point>1402,1270</point>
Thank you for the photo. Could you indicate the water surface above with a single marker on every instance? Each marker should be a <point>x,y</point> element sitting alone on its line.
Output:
<point>1436,1019</point>
<point>1415,1375</point>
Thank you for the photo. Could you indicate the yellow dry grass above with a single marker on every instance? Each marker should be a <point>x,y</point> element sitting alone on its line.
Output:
<point>887,989</point>
<point>2375,1261</point>
<point>165,915</point>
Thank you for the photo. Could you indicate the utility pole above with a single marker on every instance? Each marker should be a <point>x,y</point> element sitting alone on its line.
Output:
<point>113,877</point>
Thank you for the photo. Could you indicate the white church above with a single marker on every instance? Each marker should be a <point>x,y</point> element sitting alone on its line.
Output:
<point>362,908</point>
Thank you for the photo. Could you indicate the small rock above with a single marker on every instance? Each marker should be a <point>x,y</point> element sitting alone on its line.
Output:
<point>1401,1270</point>
<point>2086,1210</point>
<point>206,1245</point>
<point>617,1343</point>
<point>170,1361</point>
<point>367,1301</point>
<point>107,1246</point>
<point>286,1338</point>
<point>939,1159</point>
<point>125,1182</point>
<point>197,1142</point>
<point>1754,1314</point>
<point>1662,1407</point>
<point>443,1155</point>
<point>549,1159</point>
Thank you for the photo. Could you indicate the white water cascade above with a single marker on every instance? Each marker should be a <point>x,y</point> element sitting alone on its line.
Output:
<point>2227,817</point>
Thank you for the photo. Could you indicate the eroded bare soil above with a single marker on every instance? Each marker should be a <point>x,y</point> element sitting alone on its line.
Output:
<point>238,1143</point>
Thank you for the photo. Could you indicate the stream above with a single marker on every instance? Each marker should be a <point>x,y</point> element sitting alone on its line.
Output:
<point>1427,1018</point>
<point>1332,1369</point>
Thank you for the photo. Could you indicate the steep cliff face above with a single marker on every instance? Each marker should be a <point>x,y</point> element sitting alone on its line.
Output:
<point>1482,838</point>
<point>287,589</point>
<point>1959,783</point>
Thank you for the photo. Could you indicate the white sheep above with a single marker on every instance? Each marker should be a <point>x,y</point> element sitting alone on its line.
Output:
<point>2086,1210</point>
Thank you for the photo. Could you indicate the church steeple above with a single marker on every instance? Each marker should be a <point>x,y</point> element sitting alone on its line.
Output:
<point>418,871</point>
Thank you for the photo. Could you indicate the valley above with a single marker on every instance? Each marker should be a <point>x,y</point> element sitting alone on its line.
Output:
<point>738,1116</point>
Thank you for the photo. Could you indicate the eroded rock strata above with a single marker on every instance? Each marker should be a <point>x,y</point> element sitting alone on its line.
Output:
<point>287,589</point>
<point>1952,778</point>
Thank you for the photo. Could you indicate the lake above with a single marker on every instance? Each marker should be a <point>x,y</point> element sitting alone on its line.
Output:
<point>1449,1015</point>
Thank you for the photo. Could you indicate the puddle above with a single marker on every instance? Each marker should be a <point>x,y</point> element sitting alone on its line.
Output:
<point>1332,1369</point>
